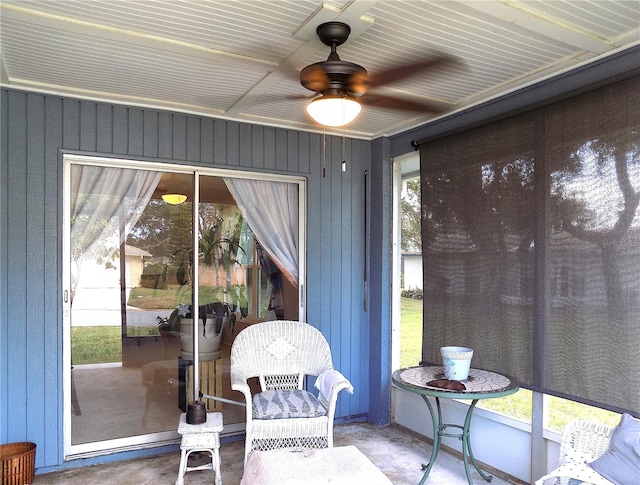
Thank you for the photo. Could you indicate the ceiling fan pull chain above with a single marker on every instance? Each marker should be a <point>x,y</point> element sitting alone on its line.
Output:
<point>324,152</point>
<point>344,160</point>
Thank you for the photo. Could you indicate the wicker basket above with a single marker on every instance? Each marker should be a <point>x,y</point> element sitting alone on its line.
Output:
<point>18,463</point>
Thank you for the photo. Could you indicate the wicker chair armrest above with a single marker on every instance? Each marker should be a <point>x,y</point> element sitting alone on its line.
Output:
<point>337,383</point>
<point>341,386</point>
<point>330,382</point>
<point>239,384</point>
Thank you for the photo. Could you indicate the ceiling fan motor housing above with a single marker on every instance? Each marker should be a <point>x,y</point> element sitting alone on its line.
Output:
<point>334,74</point>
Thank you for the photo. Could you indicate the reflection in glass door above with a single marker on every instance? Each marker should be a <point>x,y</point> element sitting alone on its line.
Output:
<point>125,375</point>
<point>132,272</point>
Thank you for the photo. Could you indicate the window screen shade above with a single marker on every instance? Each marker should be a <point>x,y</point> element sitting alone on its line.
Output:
<point>531,246</point>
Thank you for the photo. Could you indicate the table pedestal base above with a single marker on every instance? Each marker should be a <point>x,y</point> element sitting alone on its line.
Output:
<point>439,431</point>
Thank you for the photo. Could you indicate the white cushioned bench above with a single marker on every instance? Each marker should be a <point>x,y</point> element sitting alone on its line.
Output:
<point>341,465</point>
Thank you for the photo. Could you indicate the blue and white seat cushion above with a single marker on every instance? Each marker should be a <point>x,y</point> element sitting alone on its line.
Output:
<point>286,403</point>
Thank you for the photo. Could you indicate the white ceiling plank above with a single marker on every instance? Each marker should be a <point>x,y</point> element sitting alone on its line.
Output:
<point>105,32</point>
<point>527,19</point>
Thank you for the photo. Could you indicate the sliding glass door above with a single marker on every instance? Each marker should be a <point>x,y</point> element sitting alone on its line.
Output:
<point>162,269</point>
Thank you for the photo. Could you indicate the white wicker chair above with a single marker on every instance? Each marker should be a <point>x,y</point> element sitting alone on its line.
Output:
<point>280,354</point>
<point>584,441</point>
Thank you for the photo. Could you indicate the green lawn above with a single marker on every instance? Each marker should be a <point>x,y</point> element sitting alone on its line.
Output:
<point>411,332</point>
<point>95,345</point>
<point>100,344</point>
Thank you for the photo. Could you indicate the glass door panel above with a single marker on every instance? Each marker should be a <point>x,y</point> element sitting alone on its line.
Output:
<point>129,251</point>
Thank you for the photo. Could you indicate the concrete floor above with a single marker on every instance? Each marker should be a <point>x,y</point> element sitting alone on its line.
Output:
<point>392,449</point>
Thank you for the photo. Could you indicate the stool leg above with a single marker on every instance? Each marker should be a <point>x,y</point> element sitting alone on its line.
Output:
<point>183,467</point>
<point>216,463</point>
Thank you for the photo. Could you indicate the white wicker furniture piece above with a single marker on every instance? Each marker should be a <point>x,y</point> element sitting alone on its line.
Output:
<point>281,353</point>
<point>203,437</point>
<point>582,442</point>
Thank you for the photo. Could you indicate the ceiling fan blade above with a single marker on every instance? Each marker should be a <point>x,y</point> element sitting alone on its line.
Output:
<point>315,78</point>
<point>359,83</point>
<point>392,102</point>
<point>400,72</point>
<point>301,96</point>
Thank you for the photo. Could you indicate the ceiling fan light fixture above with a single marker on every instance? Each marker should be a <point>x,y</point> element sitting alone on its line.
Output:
<point>174,199</point>
<point>333,110</point>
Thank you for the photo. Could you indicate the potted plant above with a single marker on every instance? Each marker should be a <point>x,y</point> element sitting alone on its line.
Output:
<point>213,319</point>
<point>164,327</point>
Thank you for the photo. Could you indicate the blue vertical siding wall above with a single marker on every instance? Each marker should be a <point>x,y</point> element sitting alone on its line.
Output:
<point>37,130</point>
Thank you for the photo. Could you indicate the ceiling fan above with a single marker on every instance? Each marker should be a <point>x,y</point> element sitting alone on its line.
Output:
<point>343,86</point>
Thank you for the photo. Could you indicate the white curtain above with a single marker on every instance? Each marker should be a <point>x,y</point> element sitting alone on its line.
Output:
<point>271,208</point>
<point>106,203</point>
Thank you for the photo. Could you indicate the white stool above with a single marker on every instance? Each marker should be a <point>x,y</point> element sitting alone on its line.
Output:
<point>203,437</point>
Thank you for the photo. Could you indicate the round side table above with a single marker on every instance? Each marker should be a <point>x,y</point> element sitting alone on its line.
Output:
<point>481,384</point>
